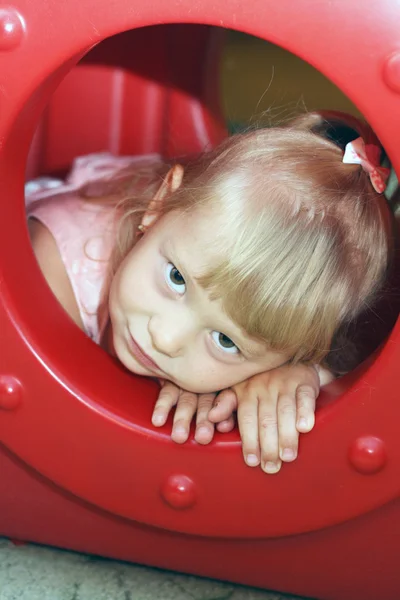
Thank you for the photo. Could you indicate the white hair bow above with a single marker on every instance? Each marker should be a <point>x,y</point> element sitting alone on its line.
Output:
<point>368,156</point>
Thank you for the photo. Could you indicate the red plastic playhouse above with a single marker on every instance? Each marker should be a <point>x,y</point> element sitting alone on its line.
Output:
<point>80,465</point>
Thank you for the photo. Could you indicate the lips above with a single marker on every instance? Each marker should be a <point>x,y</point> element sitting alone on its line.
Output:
<point>140,355</point>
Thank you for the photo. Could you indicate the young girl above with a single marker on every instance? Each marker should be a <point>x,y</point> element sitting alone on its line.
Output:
<point>235,272</point>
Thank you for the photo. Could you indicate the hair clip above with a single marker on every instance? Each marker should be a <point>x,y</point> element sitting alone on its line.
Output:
<point>368,156</point>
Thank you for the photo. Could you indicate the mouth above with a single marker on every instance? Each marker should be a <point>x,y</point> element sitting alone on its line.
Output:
<point>140,355</point>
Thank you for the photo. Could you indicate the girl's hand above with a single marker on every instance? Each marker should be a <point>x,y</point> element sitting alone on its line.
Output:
<point>188,405</point>
<point>272,409</point>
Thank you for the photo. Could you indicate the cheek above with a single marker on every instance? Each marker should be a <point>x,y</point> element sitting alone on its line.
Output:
<point>210,376</point>
<point>133,284</point>
<point>228,375</point>
<point>138,295</point>
<point>276,360</point>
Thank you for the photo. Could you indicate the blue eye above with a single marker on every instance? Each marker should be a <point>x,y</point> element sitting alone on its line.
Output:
<point>224,343</point>
<point>174,279</point>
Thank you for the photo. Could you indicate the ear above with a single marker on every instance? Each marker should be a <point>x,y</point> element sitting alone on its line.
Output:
<point>170,184</point>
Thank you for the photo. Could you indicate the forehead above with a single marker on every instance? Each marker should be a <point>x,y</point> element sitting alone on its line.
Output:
<point>195,237</point>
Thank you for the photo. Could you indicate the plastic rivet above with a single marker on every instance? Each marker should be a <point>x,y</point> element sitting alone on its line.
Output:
<point>368,455</point>
<point>391,72</point>
<point>179,492</point>
<point>12,29</point>
<point>10,392</point>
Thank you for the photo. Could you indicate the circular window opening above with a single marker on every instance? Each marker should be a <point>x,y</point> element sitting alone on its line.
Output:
<point>117,100</point>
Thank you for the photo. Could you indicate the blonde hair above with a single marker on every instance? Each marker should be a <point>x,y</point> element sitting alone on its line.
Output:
<point>305,245</point>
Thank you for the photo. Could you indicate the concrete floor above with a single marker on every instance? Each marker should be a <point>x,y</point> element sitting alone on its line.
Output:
<point>31,572</point>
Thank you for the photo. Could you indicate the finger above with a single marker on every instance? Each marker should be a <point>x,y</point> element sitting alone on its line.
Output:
<point>306,399</point>
<point>224,405</point>
<point>167,399</point>
<point>204,428</point>
<point>287,432</point>
<point>227,425</point>
<point>247,417</point>
<point>268,434</point>
<point>185,410</point>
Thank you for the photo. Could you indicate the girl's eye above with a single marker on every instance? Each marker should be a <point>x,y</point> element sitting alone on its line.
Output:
<point>224,343</point>
<point>174,279</point>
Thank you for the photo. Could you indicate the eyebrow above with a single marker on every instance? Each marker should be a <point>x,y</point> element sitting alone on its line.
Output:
<point>243,343</point>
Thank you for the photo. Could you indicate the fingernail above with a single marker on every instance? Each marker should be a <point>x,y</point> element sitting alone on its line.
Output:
<point>203,430</point>
<point>303,423</point>
<point>271,467</point>
<point>158,420</point>
<point>179,435</point>
<point>288,454</point>
<point>252,460</point>
<point>179,429</point>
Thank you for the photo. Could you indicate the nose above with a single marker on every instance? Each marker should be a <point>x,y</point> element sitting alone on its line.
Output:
<point>170,335</point>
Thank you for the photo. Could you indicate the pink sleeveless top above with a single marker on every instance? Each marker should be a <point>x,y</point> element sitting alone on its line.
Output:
<point>84,230</point>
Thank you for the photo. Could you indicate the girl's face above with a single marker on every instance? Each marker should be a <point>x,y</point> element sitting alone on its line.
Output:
<point>165,325</point>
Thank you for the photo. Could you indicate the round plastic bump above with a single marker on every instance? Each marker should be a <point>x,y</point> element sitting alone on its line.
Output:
<point>391,72</point>
<point>179,492</point>
<point>10,392</point>
<point>12,29</point>
<point>368,455</point>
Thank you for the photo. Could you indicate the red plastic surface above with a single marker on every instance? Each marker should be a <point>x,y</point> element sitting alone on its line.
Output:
<point>128,101</point>
<point>70,414</point>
